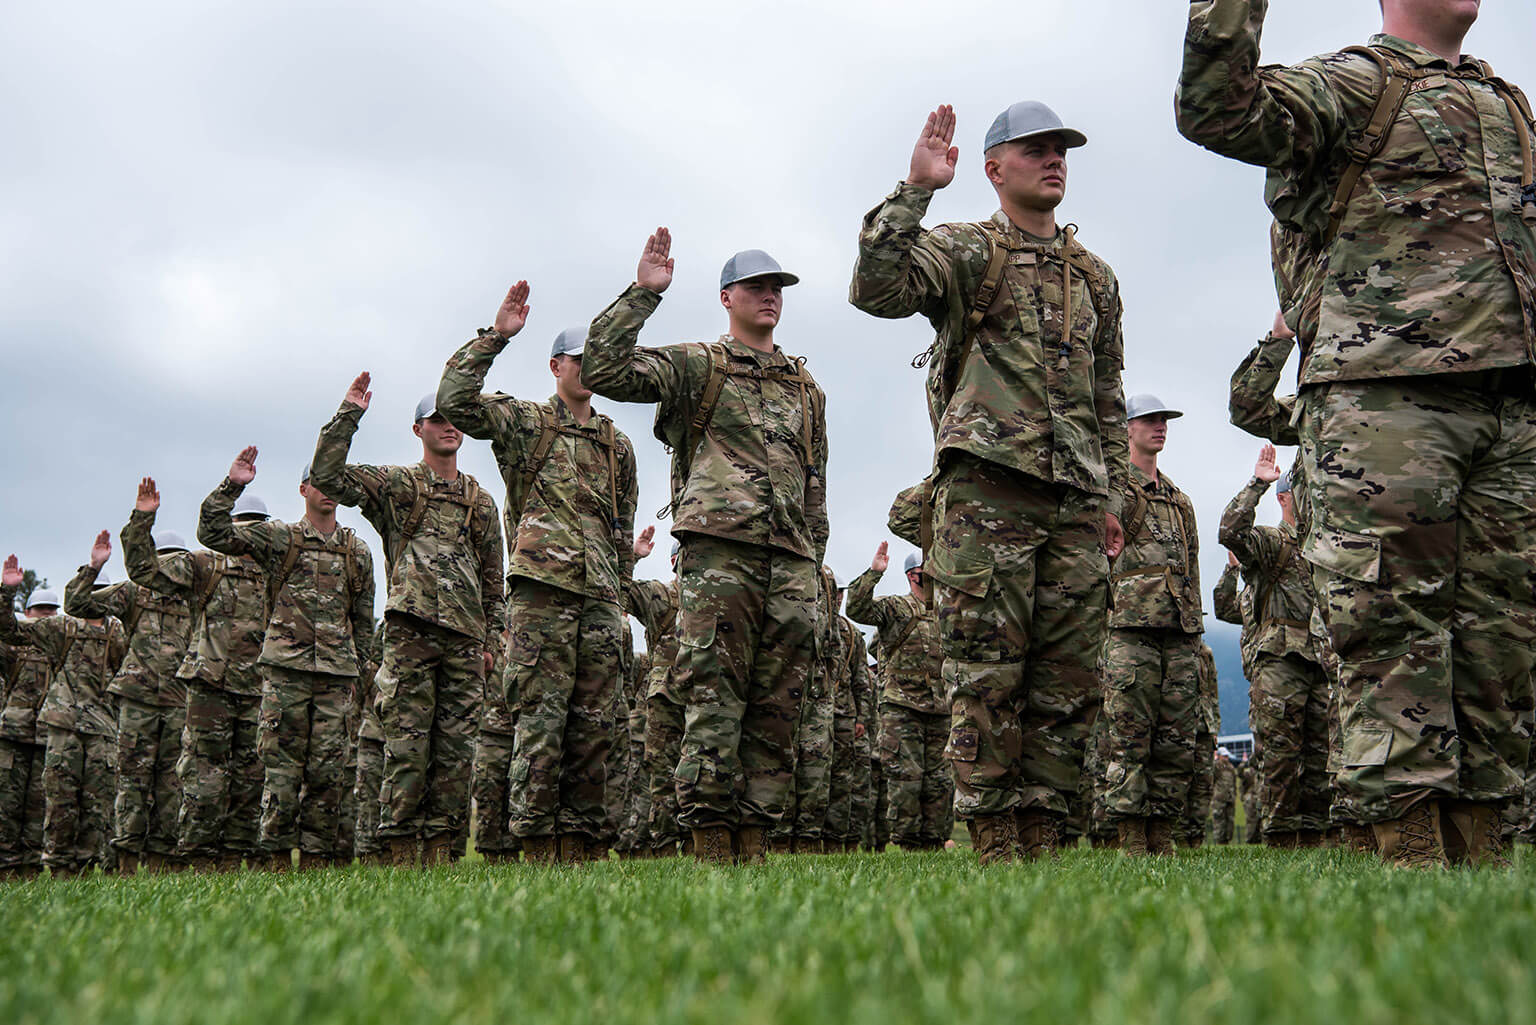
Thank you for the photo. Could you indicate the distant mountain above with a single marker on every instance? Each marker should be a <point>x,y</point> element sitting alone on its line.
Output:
<point>1223,639</point>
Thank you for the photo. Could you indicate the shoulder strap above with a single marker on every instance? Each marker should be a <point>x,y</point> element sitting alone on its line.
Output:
<point>710,396</point>
<point>215,577</point>
<point>354,573</point>
<point>71,631</point>
<point>1131,525</point>
<point>1261,607</point>
<point>540,453</point>
<point>905,632</point>
<point>991,280</point>
<point>1392,91</point>
<point>279,580</point>
<point>141,596</point>
<point>413,519</point>
<point>606,433</point>
<point>471,500</point>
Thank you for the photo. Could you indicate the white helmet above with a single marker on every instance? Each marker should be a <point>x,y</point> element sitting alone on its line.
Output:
<point>44,596</point>
<point>169,541</point>
<point>250,505</point>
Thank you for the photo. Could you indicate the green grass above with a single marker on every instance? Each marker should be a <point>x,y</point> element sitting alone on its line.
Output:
<point>1216,935</point>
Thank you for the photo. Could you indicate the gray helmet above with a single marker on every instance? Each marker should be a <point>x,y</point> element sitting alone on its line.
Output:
<point>169,541</point>
<point>753,263</point>
<point>44,596</point>
<point>677,546</point>
<point>914,561</point>
<point>1283,485</point>
<point>1146,404</point>
<point>570,342</point>
<point>1224,752</point>
<point>426,407</point>
<point>250,505</point>
<point>1027,118</point>
<point>304,479</point>
<point>102,580</point>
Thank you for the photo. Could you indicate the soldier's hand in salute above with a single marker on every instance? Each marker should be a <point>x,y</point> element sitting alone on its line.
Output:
<point>359,395</point>
<point>101,551</point>
<point>11,576</point>
<point>149,498</point>
<point>1266,469</point>
<point>933,158</point>
<point>1281,328</point>
<point>656,263</point>
<point>513,313</point>
<point>882,560</point>
<point>1231,559</point>
<point>1114,536</point>
<point>243,469</point>
<point>644,542</point>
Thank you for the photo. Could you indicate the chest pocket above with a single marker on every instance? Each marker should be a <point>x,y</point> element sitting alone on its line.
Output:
<point>1422,147</point>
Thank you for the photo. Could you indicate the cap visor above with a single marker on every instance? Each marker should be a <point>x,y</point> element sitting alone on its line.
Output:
<point>785,278</point>
<point>1073,138</point>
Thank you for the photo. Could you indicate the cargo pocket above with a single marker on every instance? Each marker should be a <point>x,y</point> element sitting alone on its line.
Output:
<point>964,574</point>
<point>687,770</point>
<point>964,740</point>
<point>1344,553</point>
<point>696,629</point>
<point>522,768</point>
<point>7,758</point>
<point>522,663</point>
<point>1367,747</point>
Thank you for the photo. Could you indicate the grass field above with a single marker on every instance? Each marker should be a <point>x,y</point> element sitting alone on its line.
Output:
<point>1216,935</point>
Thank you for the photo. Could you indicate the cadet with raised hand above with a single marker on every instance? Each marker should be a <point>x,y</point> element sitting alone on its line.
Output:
<point>570,513</point>
<point>79,764</point>
<point>746,424</point>
<point>914,716</point>
<point>320,595</point>
<point>1030,452</point>
<point>219,768</point>
<point>442,619</point>
<point>1403,171</point>
<point>151,699</point>
<point>1152,658</point>
<point>22,747</point>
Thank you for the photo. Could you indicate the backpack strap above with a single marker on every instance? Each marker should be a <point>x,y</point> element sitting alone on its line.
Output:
<point>1261,607</point>
<point>536,459</point>
<point>1131,523</point>
<point>279,580</point>
<point>471,500</point>
<point>412,522</point>
<point>605,434</point>
<point>1396,81</point>
<point>709,397</point>
<point>141,596</point>
<point>901,637</point>
<point>71,631</point>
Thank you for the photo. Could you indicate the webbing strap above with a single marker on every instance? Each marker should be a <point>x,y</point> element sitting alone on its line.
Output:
<point>1389,103</point>
<point>1289,555</point>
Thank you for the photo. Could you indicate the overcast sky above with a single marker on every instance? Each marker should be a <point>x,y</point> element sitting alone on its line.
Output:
<point>215,214</point>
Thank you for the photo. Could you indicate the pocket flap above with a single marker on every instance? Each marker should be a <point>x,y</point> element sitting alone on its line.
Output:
<point>1344,553</point>
<point>964,574</point>
<point>1367,747</point>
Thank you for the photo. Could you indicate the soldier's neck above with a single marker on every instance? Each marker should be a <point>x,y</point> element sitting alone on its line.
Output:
<point>1144,461</point>
<point>1039,223</point>
<point>445,466</point>
<point>1441,40</point>
<point>753,338</point>
<point>325,523</point>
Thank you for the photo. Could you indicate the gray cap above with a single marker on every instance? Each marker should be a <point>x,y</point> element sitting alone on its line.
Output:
<point>1027,118</point>
<point>1224,752</point>
<point>44,596</point>
<point>250,505</point>
<point>304,479</point>
<point>102,580</point>
<point>1146,404</point>
<point>753,263</point>
<point>569,342</point>
<point>1283,485</point>
<point>914,561</point>
<point>677,546</point>
<point>169,541</point>
<point>426,407</point>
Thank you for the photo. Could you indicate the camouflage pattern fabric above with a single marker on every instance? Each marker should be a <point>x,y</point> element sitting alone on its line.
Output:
<point>663,749</point>
<point>303,746</point>
<point>79,776</point>
<point>617,769</point>
<point>1289,715</point>
<point>1197,806</point>
<point>1152,708</point>
<point>148,802</point>
<point>848,667</point>
<point>655,605</point>
<point>22,804</point>
<point>82,656</point>
<point>1021,597</point>
<point>746,635</point>
<point>221,773</point>
<point>1270,558</point>
<point>637,803</point>
<point>368,782</point>
<point>878,829</point>
<point>564,655</point>
<point>1248,778</point>
<point>912,676</point>
<point>813,761</point>
<point>1223,801</point>
<point>26,685</point>
<point>919,793</point>
<point>490,788</point>
<point>1232,601</point>
<point>1251,401</point>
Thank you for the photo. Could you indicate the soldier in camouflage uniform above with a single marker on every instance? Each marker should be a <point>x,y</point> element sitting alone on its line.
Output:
<point>442,619</point>
<point>747,428</point>
<point>804,825</point>
<point>151,698</point>
<point>1029,423</point>
<point>1223,798</point>
<point>655,605</point>
<point>1197,805</point>
<point>1289,704</point>
<point>1152,657</point>
<point>570,510</point>
<point>80,762</point>
<point>853,697</point>
<point>22,806</point>
<point>219,769</point>
<point>320,592</point>
<point>1416,327</point>
<point>492,776</point>
<point>914,720</point>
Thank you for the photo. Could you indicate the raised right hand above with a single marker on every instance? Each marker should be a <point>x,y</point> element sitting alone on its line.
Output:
<point>243,469</point>
<point>656,263</point>
<point>101,551</point>
<point>882,560</point>
<point>11,575</point>
<point>933,158</point>
<point>359,395</point>
<point>149,498</point>
<point>512,314</point>
<point>1266,469</point>
<point>644,545</point>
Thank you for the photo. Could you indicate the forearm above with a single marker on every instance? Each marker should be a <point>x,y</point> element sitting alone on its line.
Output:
<point>215,527</point>
<point>1236,531</point>
<point>328,470</point>
<point>459,392</point>
<point>610,364</point>
<point>145,566</point>
<point>862,607</point>
<point>897,274</point>
<point>81,598</point>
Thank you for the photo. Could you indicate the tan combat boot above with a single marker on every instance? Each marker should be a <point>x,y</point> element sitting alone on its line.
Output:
<point>1159,836</point>
<point>1471,831</point>
<point>1413,841</point>
<point>572,849</point>
<point>127,864</point>
<point>997,837</point>
<point>781,845</point>
<point>437,850</point>
<point>1039,833</point>
<point>751,845</point>
<point>712,845</point>
<point>540,850</point>
<point>401,851</point>
<point>229,862</point>
<point>1355,837</point>
<point>1309,838</point>
<point>1133,837</point>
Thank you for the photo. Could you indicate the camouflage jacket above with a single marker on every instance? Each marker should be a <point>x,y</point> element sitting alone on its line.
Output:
<point>1433,268</point>
<point>1233,603</point>
<point>160,630</point>
<point>1210,691</point>
<point>1225,788</point>
<point>369,726</point>
<point>495,714</point>
<point>449,571</point>
<point>228,597</point>
<point>322,614</point>
<point>1155,581</point>
<point>912,676</point>
<point>655,605</point>
<point>1248,780</point>
<point>26,683</point>
<point>747,479</point>
<point>1031,395</point>
<point>856,689</point>
<point>1251,401</point>
<point>576,526</point>
<point>1282,579</point>
<point>82,658</point>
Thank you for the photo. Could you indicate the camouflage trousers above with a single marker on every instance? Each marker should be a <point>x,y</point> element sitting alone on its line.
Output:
<point>303,745</point>
<point>1289,715</point>
<point>1094,787</point>
<point>616,789</point>
<point>635,831</point>
<point>1422,536</point>
<point>746,644</point>
<point>22,806</point>
<point>805,818</point>
<point>79,778</point>
<point>919,785</point>
<point>431,683</point>
<point>1152,708</point>
<point>148,802</point>
<point>1197,801</point>
<point>368,784</point>
<point>490,788</point>
<point>663,749</point>
<point>1021,592</point>
<point>878,832</point>
<point>221,773</point>
<point>564,653</point>
<point>839,825</point>
<point>1253,820</point>
<point>1520,816</point>
<point>1223,811</point>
